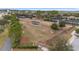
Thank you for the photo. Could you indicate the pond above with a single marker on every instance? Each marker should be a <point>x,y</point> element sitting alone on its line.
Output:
<point>74,41</point>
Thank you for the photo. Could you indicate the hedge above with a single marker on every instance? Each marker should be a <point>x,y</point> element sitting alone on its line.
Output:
<point>26,46</point>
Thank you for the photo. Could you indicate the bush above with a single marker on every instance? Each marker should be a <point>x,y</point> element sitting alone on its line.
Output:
<point>77,30</point>
<point>54,26</point>
<point>1,30</point>
<point>14,45</point>
<point>25,46</point>
<point>62,24</point>
<point>46,19</point>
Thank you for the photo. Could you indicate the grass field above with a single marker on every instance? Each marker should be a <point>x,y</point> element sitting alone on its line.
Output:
<point>3,37</point>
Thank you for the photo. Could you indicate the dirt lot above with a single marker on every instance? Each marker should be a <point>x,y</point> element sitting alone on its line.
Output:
<point>38,32</point>
<point>42,32</point>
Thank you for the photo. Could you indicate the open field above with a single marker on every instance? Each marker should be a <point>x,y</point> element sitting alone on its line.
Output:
<point>42,32</point>
<point>36,32</point>
<point>64,33</point>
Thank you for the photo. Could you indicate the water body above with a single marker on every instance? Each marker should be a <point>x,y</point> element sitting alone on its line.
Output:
<point>74,41</point>
<point>75,44</point>
<point>6,46</point>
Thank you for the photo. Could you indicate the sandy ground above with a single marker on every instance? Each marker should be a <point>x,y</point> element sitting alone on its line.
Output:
<point>38,32</point>
<point>42,32</point>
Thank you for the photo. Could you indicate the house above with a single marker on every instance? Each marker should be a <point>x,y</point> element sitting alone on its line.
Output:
<point>24,16</point>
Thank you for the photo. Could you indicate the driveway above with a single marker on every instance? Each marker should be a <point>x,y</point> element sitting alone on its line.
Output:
<point>6,46</point>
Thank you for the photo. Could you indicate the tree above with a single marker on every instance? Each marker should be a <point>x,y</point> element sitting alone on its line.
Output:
<point>15,31</point>
<point>49,14</point>
<point>40,14</point>
<point>47,18</point>
<point>6,17</point>
<point>3,22</point>
<point>54,26</point>
<point>62,24</point>
<point>53,13</point>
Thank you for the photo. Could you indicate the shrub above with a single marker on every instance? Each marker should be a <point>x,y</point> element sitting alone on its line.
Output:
<point>1,30</point>
<point>54,26</point>
<point>46,19</point>
<point>77,30</point>
<point>14,45</point>
<point>27,46</point>
<point>62,24</point>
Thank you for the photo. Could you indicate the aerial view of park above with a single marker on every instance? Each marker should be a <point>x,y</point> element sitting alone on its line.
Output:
<point>39,30</point>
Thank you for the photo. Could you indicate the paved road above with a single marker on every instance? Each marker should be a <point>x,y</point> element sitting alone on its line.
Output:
<point>6,46</point>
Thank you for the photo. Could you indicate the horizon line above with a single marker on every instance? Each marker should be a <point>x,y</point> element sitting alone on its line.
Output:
<point>44,9</point>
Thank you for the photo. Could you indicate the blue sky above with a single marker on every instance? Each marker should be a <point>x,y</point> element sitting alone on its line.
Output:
<point>60,9</point>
